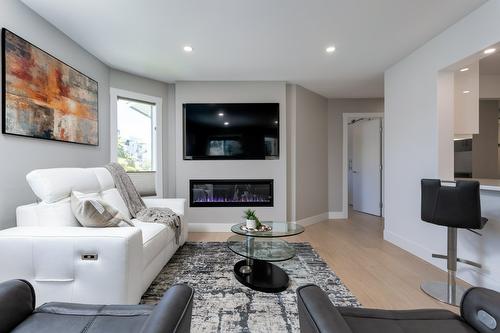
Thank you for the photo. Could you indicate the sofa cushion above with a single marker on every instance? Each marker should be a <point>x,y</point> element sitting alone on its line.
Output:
<point>57,214</point>
<point>155,236</point>
<point>411,321</point>
<point>67,317</point>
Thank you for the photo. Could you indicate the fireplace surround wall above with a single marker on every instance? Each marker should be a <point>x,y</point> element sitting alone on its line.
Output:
<point>231,193</point>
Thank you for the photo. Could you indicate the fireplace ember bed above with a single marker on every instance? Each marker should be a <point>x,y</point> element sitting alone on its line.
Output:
<point>231,193</point>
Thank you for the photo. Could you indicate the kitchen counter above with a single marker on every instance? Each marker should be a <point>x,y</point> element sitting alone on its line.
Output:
<point>485,183</point>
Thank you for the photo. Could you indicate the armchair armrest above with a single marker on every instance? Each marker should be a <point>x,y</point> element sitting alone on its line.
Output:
<point>177,205</point>
<point>316,313</point>
<point>17,302</point>
<point>480,308</point>
<point>173,313</point>
<point>75,264</point>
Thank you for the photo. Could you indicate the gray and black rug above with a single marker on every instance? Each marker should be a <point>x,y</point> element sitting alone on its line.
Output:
<point>222,304</point>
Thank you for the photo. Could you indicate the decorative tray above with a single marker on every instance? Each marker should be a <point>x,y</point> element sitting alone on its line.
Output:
<point>263,227</point>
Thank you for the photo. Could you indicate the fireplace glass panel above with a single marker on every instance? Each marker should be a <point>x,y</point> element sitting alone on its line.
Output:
<point>231,193</point>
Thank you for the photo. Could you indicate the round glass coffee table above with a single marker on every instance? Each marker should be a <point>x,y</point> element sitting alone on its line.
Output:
<point>260,248</point>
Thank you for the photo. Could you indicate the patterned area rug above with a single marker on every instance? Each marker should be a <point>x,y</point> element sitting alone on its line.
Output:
<point>222,304</point>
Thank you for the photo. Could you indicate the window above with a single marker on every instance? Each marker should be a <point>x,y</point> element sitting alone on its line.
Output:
<point>135,133</point>
<point>136,138</point>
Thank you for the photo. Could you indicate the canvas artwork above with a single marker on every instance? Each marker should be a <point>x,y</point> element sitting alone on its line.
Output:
<point>45,98</point>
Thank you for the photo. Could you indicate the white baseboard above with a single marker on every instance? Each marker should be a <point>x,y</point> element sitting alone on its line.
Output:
<point>466,273</point>
<point>313,219</point>
<point>337,215</point>
<point>210,227</point>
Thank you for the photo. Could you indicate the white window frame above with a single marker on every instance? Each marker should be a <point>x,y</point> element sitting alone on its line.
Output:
<point>115,94</point>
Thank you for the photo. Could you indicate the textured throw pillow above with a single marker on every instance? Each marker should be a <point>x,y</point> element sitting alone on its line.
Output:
<point>93,212</point>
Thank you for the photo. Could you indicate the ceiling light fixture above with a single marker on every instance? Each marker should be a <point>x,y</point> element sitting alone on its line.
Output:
<point>226,123</point>
<point>188,48</point>
<point>466,91</point>
<point>465,69</point>
<point>221,114</point>
<point>276,122</point>
<point>330,49</point>
<point>490,51</point>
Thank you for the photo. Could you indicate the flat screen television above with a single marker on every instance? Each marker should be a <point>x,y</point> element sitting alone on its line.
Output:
<point>235,131</point>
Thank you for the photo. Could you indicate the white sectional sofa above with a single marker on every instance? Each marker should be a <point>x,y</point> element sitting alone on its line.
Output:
<point>69,263</point>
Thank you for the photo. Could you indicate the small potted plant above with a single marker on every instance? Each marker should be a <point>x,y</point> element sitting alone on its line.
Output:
<point>252,221</point>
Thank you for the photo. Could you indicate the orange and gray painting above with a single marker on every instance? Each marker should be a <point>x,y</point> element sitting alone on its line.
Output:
<point>46,98</point>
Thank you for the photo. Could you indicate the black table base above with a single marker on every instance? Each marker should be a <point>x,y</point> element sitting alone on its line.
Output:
<point>262,276</point>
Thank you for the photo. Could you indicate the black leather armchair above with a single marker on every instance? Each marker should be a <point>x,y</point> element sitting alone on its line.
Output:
<point>18,313</point>
<point>480,312</point>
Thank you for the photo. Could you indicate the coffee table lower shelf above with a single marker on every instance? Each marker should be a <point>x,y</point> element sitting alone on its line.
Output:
<point>261,275</point>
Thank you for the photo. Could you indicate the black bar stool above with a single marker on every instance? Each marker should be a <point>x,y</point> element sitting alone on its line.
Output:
<point>452,207</point>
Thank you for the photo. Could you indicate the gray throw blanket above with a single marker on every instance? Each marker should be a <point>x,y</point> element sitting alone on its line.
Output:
<point>136,205</point>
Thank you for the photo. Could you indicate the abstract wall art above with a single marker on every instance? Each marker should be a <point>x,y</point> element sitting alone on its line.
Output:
<point>42,97</point>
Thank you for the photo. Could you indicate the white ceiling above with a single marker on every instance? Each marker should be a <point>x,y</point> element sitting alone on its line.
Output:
<point>280,40</point>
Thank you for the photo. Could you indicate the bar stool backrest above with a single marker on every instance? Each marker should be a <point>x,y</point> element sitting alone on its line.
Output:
<point>451,206</point>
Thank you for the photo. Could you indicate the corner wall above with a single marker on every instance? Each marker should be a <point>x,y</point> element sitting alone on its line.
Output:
<point>21,155</point>
<point>414,130</point>
<point>308,155</point>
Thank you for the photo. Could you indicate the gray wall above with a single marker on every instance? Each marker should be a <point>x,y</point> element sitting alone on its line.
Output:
<point>485,144</point>
<point>337,107</point>
<point>166,92</point>
<point>21,155</point>
<point>311,154</point>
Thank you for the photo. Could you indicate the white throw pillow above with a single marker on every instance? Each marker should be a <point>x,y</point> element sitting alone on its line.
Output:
<point>93,212</point>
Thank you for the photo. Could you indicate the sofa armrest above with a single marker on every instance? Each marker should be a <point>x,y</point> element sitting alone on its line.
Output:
<point>17,302</point>
<point>173,313</point>
<point>316,313</point>
<point>480,308</point>
<point>177,205</point>
<point>75,264</point>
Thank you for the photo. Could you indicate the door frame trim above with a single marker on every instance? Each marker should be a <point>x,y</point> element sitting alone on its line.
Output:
<point>346,116</point>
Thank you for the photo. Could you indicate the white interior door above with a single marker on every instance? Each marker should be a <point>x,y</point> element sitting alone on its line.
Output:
<point>366,166</point>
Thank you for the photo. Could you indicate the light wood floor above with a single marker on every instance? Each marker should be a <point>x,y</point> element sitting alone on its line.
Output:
<point>380,274</point>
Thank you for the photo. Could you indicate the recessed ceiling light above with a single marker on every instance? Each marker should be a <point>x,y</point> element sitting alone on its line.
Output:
<point>490,51</point>
<point>465,69</point>
<point>188,48</point>
<point>466,91</point>
<point>226,123</point>
<point>276,122</point>
<point>221,114</point>
<point>330,49</point>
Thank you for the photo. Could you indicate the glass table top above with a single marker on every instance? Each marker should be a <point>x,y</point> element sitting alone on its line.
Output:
<point>279,229</point>
<point>267,249</point>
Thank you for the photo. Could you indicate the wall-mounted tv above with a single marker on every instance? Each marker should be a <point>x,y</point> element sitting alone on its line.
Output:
<point>236,131</point>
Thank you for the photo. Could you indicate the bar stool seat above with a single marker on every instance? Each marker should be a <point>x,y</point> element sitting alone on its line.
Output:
<point>454,207</point>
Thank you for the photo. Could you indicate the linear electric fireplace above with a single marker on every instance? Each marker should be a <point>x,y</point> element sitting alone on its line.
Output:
<point>231,193</point>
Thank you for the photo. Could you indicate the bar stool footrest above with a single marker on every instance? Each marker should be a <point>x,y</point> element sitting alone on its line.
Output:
<point>460,260</point>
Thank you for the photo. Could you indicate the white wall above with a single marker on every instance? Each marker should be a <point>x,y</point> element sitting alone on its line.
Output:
<point>130,82</point>
<point>337,107</point>
<point>413,143</point>
<point>230,92</point>
<point>20,155</point>
<point>308,155</point>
